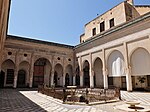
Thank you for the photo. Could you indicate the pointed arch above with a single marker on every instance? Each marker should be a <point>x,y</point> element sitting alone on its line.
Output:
<point>8,67</point>
<point>116,69</point>
<point>69,75</point>
<point>140,62</point>
<point>23,74</point>
<point>116,65</point>
<point>98,72</point>
<point>42,72</point>
<point>58,74</point>
<point>86,77</point>
<point>78,76</point>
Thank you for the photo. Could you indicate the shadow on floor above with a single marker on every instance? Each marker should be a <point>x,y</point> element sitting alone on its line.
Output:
<point>11,100</point>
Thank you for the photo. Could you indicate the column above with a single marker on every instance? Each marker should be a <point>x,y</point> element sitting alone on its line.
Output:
<point>128,80</point>
<point>91,72</point>
<point>74,80</point>
<point>52,78</point>
<point>31,73</point>
<point>105,76</point>
<point>91,78</point>
<point>31,78</point>
<point>81,78</point>
<point>31,70</point>
<point>15,78</point>
<point>64,79</point>
<point>128,68</point>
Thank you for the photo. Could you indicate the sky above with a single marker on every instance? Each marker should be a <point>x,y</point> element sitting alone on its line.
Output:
<point>59,21</point>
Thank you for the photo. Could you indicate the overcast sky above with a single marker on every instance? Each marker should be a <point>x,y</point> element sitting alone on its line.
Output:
<point>60,21</point>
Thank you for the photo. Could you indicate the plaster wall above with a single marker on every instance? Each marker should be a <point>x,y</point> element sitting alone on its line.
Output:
<point>143,10</point>
<point>118,13</point>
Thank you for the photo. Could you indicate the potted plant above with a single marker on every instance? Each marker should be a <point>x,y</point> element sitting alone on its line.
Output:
<point>141,79</point>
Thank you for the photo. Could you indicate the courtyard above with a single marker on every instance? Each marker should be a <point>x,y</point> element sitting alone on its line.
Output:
<point>29,100</point>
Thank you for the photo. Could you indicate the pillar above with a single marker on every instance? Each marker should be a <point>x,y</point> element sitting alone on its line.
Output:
<point>91,78</point>
<point>128,80</point>
<point>105,76</point>
<point>15,78</point>
<point>31,72</point>
<point>81,78</point>
<point>31,82</point>
<point>105,71</point>
<point>31,78</point>
<point>74,80</point>
<point>128,68</point>
<point>52,78</point>
<point>64,79</point>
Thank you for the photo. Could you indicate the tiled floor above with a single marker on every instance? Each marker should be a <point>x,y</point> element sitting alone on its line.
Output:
<point>14,100</point>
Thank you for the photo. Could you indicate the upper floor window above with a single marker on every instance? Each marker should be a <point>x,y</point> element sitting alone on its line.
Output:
<point>111,22</point>
<point>102,26</point>
<point>94,31</point>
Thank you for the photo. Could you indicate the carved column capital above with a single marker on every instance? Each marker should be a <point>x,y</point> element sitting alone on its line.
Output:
<point>105,71</point>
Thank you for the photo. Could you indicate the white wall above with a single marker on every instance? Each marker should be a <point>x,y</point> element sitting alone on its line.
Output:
<point>116,65</point>
<point>140,62</point>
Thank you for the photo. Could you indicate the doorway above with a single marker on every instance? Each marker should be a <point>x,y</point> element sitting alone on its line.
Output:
<point>55,78</point>
<point>67,80</point>
<point>148,80</point>
<point>21,78</point>
<point>2,78</point>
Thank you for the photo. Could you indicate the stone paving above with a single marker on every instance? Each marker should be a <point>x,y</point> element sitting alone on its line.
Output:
<point>14,100</point>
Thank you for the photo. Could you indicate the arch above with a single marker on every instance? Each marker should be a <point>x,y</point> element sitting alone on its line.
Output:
<point>78,76</point>
<point>116,69</point>
<point>69,73</point>
<point>115,63</point>
<point>21,81</point>
<point>86,77</point>
<point>8,67</point>
<point>59,71</point>
<point>67,80</point>
<point>41,57</point>
<point>98,72</point>
<point>24,66</point>
<point>140,62</point>
<point>93,62</point>
<point>42,72</point>
<point>55,78</point>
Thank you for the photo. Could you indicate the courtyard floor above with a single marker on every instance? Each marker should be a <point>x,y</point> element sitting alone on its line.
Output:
<point>28,100</point>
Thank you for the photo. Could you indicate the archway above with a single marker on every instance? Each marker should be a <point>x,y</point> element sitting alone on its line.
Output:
<point>69,75</point>
<point>55,78</point>
<point>21,78</point>
<point>86,77</point>
<point>2,79</point>
<point>116,70</point>
<point>98,73</point>
<point>24,68</point>
<point>42,72</point>
<point>59,71</point>
<point>8,67</point>
<point>78,76</point>
<point>140,68</point>
<point>67,79</point>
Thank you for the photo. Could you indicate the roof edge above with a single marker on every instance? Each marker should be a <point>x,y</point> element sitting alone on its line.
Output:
<point>38,41</point>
